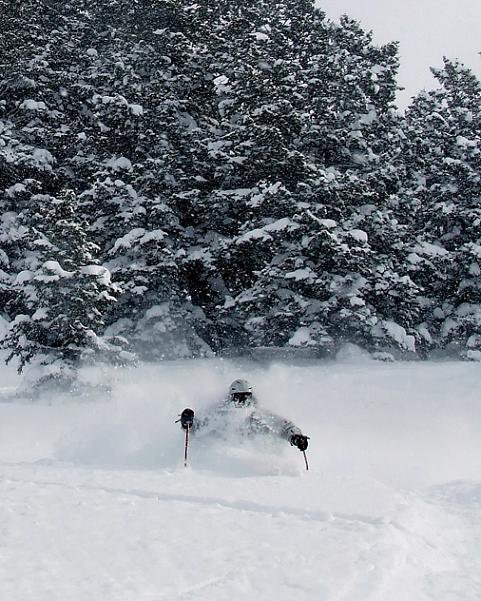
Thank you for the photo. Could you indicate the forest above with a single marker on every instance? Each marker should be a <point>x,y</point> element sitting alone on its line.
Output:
<point>185,179</point>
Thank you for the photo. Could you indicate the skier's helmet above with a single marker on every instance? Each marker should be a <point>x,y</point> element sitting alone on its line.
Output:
<point>240,393</point>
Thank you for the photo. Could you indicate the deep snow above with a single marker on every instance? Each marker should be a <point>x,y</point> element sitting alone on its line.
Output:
<point>95,503</point>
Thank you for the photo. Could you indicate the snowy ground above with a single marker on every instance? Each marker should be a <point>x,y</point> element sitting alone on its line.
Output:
<point>96,505</point>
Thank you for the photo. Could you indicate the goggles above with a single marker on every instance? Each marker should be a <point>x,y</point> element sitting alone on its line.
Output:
<point>241,398</point>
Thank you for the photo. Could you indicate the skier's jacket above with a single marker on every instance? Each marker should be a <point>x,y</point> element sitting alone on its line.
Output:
<point>228,417</point>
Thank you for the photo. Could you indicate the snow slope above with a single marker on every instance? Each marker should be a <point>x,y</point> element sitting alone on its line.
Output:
<point>96,505</point>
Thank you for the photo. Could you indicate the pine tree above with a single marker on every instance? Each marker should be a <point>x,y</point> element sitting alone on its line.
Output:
<point>444,129</point>
<point>309,117</point>
<point>106,89</point>
<point>129,196</point>
<point>66,293</point>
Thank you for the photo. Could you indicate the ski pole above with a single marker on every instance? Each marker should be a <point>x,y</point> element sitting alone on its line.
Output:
<point>305,459</point>
<point>186,445</point>
<point>186,418</point>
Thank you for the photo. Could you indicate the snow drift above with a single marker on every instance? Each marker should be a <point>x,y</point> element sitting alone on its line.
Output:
<point>388,511</point>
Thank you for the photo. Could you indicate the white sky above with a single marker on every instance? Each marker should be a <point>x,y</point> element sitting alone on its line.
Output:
<point>426,29</point>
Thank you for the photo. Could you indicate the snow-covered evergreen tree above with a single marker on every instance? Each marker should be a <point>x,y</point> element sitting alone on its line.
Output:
<point>109,95</point>
<point>130,193</point>
<point>444,158</point>
<point>66,292</point>
<point>303,109</point>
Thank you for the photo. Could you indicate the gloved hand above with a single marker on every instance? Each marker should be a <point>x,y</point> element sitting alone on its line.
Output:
<point>187,418</point>
<point>300,441</point>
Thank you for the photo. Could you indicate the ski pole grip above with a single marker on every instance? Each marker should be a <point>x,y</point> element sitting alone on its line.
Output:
<point>187,418</point>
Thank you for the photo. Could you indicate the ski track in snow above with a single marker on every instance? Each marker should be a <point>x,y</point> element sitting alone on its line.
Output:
<point>95,503</point>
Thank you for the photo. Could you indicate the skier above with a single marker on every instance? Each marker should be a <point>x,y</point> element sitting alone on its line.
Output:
<point>239,412</point>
